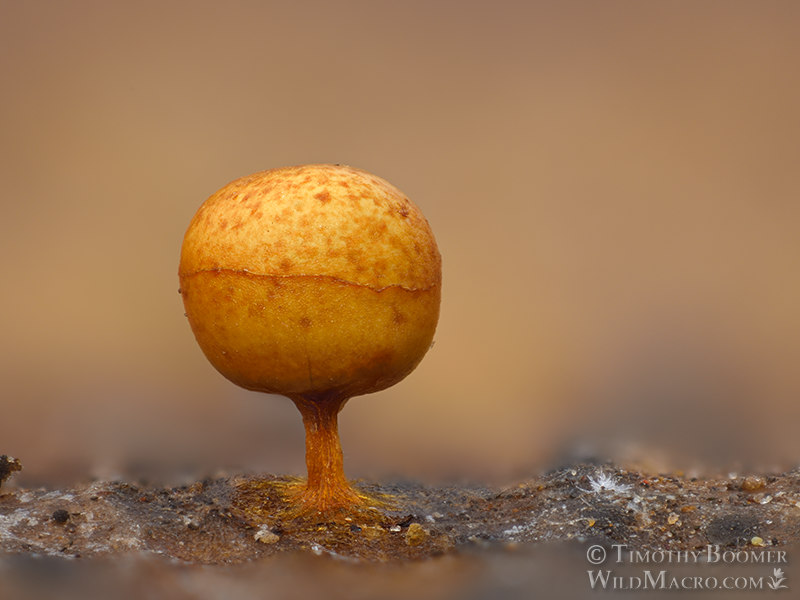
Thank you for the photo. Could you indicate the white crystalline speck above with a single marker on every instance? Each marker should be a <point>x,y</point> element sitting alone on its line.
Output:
<point>515,531</point>
<point>604,483</point>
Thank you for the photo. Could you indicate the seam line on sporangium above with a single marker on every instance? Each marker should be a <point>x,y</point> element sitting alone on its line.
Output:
<point>308,276</point>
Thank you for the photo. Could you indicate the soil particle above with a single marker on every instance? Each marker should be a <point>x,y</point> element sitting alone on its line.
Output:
<point>60,516</point>
<point>416,534</point>
<point>753,483</point>
<point>8,466</point>
<point>265,536</point>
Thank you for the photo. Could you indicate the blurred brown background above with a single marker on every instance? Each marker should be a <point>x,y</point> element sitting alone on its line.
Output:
<point>614,187</point>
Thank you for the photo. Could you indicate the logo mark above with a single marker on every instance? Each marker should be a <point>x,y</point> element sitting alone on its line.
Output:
<point>596,554</point>
<point>776,581</point>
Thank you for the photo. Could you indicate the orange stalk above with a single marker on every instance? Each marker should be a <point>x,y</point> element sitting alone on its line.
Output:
<point>326,490</point>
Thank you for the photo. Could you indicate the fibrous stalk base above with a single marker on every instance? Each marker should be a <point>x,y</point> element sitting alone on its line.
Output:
<point>326,492</point>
